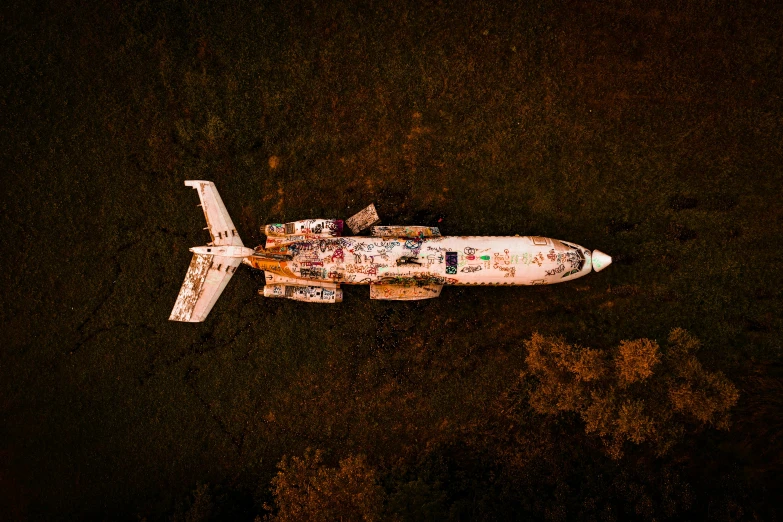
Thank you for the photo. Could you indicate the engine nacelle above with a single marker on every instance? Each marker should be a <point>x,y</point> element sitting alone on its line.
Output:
<point>308,294</point>
<point>306,227</point>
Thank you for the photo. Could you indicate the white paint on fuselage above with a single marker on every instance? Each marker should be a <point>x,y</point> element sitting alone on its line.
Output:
<point>464,260</point>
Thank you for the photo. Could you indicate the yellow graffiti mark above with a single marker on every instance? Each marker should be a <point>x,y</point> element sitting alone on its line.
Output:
<point>271,265</point>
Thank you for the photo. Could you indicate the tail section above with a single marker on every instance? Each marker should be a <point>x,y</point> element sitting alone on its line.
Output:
<point>213,265</point>
<point>219,223</point>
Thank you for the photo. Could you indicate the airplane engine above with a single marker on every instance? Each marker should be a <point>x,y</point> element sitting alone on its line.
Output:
<point>308,294</point>
<point>306,227</point>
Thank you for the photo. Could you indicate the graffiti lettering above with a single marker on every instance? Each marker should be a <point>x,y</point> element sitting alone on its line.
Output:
<point>313,273</point>
<point>555,270</point>
<point>362,269</point>
<point>503,258</point>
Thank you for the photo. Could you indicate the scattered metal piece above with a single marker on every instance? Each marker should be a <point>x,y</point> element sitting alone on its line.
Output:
<point>363,219</point>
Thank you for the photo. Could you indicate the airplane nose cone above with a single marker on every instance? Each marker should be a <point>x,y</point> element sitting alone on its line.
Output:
<point>600,260</point>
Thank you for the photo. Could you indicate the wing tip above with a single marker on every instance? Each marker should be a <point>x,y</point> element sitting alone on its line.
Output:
<point>183,320</point>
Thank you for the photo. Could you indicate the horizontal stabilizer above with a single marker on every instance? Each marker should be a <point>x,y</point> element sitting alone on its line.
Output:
<point>219,223</point>
<point>207,276</point>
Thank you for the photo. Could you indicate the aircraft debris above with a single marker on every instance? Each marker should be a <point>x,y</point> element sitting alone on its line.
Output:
<point>363,219</point>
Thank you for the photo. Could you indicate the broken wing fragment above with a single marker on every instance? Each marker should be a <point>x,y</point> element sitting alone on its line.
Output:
<point>206,278</point>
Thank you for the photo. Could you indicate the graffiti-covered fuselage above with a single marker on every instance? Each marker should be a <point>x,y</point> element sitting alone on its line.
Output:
<point>462,260</point>
<point>309,260</point>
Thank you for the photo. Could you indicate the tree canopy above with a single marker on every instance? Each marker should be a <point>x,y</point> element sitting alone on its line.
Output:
<point>306,489</point>
<point>636,393</point>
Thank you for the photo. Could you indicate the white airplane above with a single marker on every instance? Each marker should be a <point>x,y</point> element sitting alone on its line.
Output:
<point>309,260</point>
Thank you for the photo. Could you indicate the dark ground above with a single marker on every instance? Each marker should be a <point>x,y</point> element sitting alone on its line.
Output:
<point>651,132</point>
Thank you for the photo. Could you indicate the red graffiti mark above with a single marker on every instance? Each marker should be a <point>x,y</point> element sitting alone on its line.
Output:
<point>338,255</point>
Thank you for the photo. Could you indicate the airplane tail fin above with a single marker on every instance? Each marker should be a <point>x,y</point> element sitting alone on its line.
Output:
<point>211,267</point>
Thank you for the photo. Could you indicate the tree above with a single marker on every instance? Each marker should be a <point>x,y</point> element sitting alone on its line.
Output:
<point>305,489</point>
<point>632,394</point>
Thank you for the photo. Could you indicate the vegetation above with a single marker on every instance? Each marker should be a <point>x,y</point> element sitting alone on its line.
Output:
<point>304,489</point>
<point>651,132</point>
<point>624,397</point>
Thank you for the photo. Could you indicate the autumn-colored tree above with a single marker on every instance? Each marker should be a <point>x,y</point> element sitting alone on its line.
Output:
<point>305,489</point>
<point>634,393</point>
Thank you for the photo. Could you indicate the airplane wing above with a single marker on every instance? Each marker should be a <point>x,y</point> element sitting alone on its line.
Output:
<point>206,278</point>
<point>404,231</point>
<point>219,223</point>
<point>404,293</point>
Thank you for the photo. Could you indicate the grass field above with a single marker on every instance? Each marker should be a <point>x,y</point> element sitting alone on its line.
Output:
<point>650,131</point>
